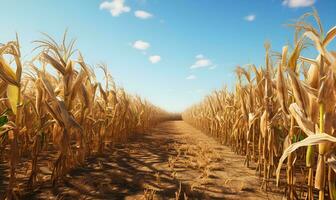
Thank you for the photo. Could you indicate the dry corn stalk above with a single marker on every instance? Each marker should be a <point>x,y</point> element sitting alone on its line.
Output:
<point>56,105</point>
<point>288,103</point>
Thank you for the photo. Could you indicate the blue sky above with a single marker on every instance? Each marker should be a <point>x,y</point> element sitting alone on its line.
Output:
<point>171,52</point>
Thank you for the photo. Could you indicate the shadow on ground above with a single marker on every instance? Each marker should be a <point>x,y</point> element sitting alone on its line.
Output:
<point>172,157</point>
<point>123,172</point>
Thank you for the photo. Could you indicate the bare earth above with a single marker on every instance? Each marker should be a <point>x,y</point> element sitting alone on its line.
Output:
<point>173,157</point>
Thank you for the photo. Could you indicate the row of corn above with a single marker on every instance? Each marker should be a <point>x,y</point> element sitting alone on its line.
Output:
<point>54,101</point>
<point>282,112</point>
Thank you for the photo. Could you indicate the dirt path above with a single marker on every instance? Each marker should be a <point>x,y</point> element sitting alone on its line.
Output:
<point>173,157</point>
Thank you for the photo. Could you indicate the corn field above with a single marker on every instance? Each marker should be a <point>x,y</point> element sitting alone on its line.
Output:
<point>54,101</point>
<point>281,116</point>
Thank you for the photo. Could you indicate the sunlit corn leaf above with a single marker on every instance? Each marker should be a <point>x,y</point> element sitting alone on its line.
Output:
<point>327,94</point>
<point>102,92</point>
<point>300,93</point>
<point>330,36</point>
<point>13,97</point>
<point>282,91</point>
<point>306,125</point>
<point>54,63</point>
<point>313,139</point>
<point>292,62</point>
<point>263,123</point>
<point>319,46</point>
<point>6,73</point>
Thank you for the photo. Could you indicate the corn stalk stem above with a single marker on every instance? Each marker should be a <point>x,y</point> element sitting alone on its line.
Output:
<point>320,171</point>
<point>290,166</point>
<point>331,183</point>
<point>309,165</point>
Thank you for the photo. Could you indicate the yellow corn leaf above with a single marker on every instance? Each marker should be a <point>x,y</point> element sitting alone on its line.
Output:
<point>13,96</point>
<point>330,36</point>
<point>6,72</point>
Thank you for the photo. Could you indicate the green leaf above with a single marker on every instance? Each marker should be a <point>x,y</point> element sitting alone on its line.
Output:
<point>300,136</point>
<point>3,120</point>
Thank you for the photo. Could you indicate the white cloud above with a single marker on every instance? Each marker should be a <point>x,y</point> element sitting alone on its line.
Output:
<point>154,59</point>
<point>201,62</point>
<point>199,56</point>
<point>116,7</point>
<point>298,3</point>
<point>250,18</point>
<point>191,77</point>
<point>142,14</point>
<point>141,45</point>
